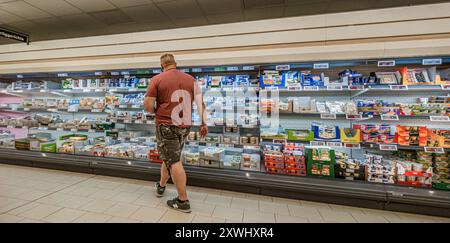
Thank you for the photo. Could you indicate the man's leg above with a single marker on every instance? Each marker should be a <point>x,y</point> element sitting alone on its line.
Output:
<point>164,175</point>
<point>179,179</point>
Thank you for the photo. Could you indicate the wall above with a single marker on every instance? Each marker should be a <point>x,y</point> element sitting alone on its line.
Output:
<point>396,32</point>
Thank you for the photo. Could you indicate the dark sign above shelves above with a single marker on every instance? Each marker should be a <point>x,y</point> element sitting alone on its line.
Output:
<point>13,35</point>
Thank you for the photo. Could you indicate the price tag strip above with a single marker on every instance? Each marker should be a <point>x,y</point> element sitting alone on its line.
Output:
<point>355,87</point>
<point>352,145</point>
<point>398,87</point>
<point>334,144</point>
<point>311,88</point>
<point>434,150</point>
<point>325,116</point>
<point>445,86</point>
<point>439,118</point>
<point>389,118</point>
<point>388,147</point>
<point>353,117</point>
<point>335,88</point>
<point>318,143</point>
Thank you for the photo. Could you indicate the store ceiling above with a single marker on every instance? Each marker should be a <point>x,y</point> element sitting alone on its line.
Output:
<point>58,19</point>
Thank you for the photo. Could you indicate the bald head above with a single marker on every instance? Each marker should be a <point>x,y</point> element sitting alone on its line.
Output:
<point>168,60</point>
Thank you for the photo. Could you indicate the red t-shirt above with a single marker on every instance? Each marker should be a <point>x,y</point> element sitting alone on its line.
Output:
<point>174,93</point>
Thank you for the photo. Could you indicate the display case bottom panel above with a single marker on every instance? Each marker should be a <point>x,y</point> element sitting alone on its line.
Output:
<point>351,193</point>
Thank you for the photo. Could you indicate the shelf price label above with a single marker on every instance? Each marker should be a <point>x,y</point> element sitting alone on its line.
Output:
<point>248,68</point>
<point>74,130</point>
<point>387,63</point>
<point>98,74</point>
<point>60,75</point>
<point>67,91</point>
<point>26,109</point>
<point>185,70</point>
<point>149,122</point>
<point>321,66</point>
<point>156,71</point>
<point>294,88</point>
<point>283,67</point>
<point>388,147</point>
<point>123,106</point>
<point>86,90</point>
<point>279,141</point>
<point>434,150</point>
<point>127,121</point>
<point>389,118</point>
<point>59,129</point>
<point>232,68</point>
<point>91,130</point>
<point>335,88</point>
<point>311,88</point>
<point>439,118</point>
<point>432,61</point>
<point>325,116</point>
<point>115,73</point>
<point>317,143</point>
<point>138,122</point>
<point>398,87</point>
<point>197,70</point>
<point>334,144</point>
<point>10,126</point>
<point>352,145</point>
<point>356,87</point>
<point>19,76</point>
<point>353,117</point>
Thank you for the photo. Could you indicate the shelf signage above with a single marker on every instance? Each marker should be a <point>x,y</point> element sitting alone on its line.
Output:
<point>321,65</point>
<point>98,73</point>
<point>389,118</point>
<point>14,35</point>
<point>387,63</point>
<point>335,88</point>
<point>434,150</point>
<point>156,71</point>
<point>353,117</point>
<point>248,68</point>
<point>388,147</point>
<point>197,70</point>
<point>318,143</point>
<point>125,73</point>
<point>219,69</point>
<point>295,88</point>
<point>327,116</point>
<point>59,129</point>
<point>352,145</point>
<point>115,73</point>
<point>432,61</point>
<point>283,67</point>
<point>334,144</point>
<point>311,88</point>
<point>127,121</point>
<point>232,68</point>
<point>439,118</point>
<point>60,75</point>
<point>185,70</point>
<point>398,87</point>
<point>356,87</point>
<point>19,76</point>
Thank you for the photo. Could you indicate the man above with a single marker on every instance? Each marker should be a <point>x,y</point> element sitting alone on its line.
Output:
<point>174,92</point>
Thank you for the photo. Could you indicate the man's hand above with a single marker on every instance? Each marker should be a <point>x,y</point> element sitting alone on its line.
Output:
<point>203,130</point>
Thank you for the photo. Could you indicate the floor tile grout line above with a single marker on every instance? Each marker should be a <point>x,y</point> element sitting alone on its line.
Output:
<point>51,193</point>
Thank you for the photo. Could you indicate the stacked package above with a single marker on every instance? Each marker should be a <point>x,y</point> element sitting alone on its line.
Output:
<point>379,170</point>
<point>349,169</point>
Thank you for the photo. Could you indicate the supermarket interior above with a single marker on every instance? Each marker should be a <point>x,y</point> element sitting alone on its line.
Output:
<point>321,113</point>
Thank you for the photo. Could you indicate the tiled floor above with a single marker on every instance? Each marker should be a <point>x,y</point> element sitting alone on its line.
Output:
<point>31,195</point>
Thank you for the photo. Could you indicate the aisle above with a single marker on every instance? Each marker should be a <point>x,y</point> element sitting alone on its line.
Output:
<point>40,195</point>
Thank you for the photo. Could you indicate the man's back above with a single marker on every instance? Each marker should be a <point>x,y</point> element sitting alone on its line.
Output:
<point>172,88</point>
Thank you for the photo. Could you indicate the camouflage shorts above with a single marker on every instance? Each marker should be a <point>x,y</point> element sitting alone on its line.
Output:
<point>171,142</point>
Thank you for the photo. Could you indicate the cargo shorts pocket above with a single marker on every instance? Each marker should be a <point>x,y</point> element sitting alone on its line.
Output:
<point>167,133</point>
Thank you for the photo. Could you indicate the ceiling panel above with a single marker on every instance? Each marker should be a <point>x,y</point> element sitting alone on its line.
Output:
<point>111,17</point>
<point>54,7</point>
<point>225,18</point>
<point>52,19</point>
<point>262,3</point>
<point>6,17</point>
<point>186,22</point>
<point>129,3</point>
<point>24,10</point>
<point>180,9</point>
<point>264,13</point>
<point>145,13</point>
<point>217,6</point>
<point>92,5</point>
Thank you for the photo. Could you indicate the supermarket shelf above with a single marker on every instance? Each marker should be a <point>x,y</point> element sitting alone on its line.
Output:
<point>126,90</point>
<point>343,116</point>
<point>352,193</point>
<point>54,110</point>
<point>224,145</point>
<point>65,130</point>
<point>400,147</point>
